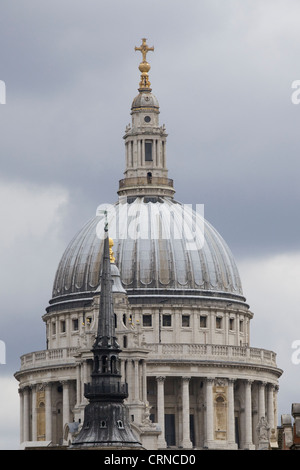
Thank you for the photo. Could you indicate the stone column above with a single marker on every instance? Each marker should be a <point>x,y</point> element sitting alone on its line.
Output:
<point>154,157</point>
<point>231,423</point>
<point>21,415</point>
<point>34,414</point>
<point>127,152</point>
<point>78,384</point>
<point>144,366</point>
<point>270,412</point>
<point>161,411</point>
<point>26,414</point>
<point>143,152</point>
<point>85,379</point>
<point>122,369</point>
<point>209,413</point>
<point>261,400</point>
<point>48,412</point>
<point>237,330</point>
<point>134,161</point>
<point>276,389</point>
<point>212,324</point>
<point>136,380</point>
<point>66,403</point>
<point>226,326</point>
<point>248,444</point>
<point>186,440</point>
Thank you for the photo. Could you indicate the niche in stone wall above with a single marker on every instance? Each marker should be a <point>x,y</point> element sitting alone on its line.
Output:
<point>40,408</point>
<point>220,406</point>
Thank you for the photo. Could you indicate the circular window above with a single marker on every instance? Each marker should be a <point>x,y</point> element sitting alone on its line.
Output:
<point>147,118</point>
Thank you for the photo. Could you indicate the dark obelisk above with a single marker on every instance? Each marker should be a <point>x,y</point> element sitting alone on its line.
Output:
<point>106,423</point>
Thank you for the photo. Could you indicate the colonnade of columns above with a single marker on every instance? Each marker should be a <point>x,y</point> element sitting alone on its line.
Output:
<point>135,153</point>
<point>32,411</point>
<point>267,405</point>
<point>37,423</point>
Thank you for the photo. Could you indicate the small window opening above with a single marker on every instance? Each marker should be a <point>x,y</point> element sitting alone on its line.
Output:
<point>147,320</point>
<point>185,320</point>
<point>104,364</point>
<point>167,320</point>
<point>148,151</point>
<point>63,326</point>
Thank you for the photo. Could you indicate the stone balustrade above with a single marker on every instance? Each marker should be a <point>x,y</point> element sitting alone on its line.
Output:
<point>48,357</point>
<point>191,352</point>
<point>213,352</point>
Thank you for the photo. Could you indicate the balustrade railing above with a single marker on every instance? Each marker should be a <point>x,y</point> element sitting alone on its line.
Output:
<point>175,351</point>
<point>143,181</point>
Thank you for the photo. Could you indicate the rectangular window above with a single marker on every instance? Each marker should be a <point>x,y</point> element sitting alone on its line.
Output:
<point>231,323</point>
<point>241,326</point>
<point>219,322</point>
<point>147,320</point>
<point>185,320</point>
<point>75,324</point>
<point>63,326</point>
<point>203,321</point>
<point>167,320</point>
<point>54,328</point>
<point>148,151</point>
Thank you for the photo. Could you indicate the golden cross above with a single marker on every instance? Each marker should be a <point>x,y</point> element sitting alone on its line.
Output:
<point>144,48</point>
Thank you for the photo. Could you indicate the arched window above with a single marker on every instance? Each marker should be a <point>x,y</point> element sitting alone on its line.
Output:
<point>113,363</point>
<point>96,364</point>
<point>104,364</point>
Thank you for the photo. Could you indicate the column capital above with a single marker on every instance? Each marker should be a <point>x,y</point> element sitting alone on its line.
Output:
<point>231,381</point>
<point>210,380</point>
<point>160,378</point>
<point>248,382</point>
<point>44,385</point>
<point>185,378</point>
<point>64,382</point>
<point>262,383</point>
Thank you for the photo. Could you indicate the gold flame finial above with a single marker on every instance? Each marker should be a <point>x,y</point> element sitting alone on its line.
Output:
<point>144,67</point>
<point>111,253</point>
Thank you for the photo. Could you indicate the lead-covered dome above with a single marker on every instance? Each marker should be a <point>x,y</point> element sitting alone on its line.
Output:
<point>145,100</point>
<point>161,248</point>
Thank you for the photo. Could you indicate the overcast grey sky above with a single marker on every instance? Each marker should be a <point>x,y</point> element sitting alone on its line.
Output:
<point>222,72</point>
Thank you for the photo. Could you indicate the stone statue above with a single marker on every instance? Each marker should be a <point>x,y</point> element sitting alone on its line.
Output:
<point>263,431</point>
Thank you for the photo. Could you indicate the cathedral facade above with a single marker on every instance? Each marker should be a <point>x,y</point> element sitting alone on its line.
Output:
<point>180,316</point>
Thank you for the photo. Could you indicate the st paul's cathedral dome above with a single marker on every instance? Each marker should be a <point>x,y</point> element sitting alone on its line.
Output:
<point>179,315</point>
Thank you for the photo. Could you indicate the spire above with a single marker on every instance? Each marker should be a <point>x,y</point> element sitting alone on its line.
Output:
<point>106,421</point>
<point>106,330</point>
<point>144,67</point>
